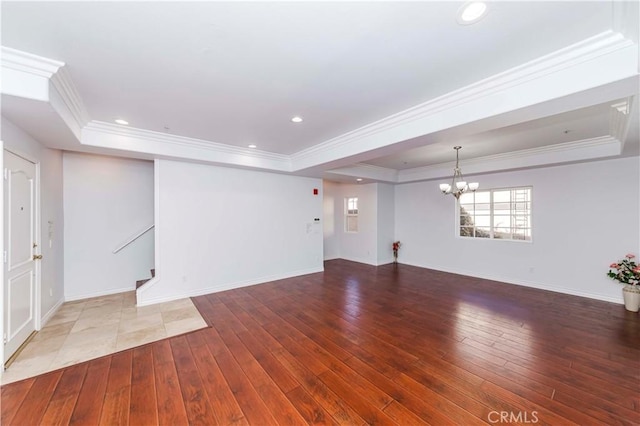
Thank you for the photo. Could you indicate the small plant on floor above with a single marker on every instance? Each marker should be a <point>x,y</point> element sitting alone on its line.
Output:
<point>395,246</point>
<point>626,271</point>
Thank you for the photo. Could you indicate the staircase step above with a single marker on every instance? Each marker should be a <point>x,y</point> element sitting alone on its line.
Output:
<point>141,282</point>
<point>153,272</point>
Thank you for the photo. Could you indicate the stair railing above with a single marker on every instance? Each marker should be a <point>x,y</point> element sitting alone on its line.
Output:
<point>135,237</point>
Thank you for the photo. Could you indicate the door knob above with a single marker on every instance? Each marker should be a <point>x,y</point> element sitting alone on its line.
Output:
<point>37,256</point>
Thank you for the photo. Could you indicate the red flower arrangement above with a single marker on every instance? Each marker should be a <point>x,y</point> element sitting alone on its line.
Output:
<point>395,246</point>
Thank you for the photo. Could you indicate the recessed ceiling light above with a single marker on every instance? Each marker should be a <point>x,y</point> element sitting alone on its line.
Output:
<point>121,121</point>
<point>297,119</point>
<point>359,179</point>
<point>253,146</point>
<point>471,12</point>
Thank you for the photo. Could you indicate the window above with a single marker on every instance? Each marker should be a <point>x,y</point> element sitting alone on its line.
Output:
<point>351,214</point>
<point>503,214</point>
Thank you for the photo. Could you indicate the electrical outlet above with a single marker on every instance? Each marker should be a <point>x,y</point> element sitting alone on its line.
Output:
<point>50,292</point>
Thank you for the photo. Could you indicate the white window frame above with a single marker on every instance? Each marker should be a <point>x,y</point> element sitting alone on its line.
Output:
<point>350,215</point>
<point>492,216</point>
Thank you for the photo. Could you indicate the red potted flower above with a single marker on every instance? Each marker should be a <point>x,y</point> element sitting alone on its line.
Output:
<point>395,246</point>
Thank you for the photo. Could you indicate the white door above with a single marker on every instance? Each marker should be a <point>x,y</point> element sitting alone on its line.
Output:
<point>19,255</point>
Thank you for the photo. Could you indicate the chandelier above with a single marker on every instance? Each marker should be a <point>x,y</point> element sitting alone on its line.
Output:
<point>458,184</point>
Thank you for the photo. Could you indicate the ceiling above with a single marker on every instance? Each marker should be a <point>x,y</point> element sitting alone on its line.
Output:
<point>218,76</point>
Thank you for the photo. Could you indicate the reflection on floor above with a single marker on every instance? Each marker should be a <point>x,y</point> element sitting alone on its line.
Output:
<point>90,328</point>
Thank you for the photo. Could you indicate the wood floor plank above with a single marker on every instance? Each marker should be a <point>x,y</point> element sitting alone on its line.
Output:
<point>309,408</point>
<point>59,411</point>
<point>360,403</point>
<point>357,345</point>
<point>65,396</point>
<point>89,404</point>
<point>221,398</point>
<point>410,398</point>
<point>523,405</point>
<point>402,415</point>
<point>338,348</point>
<point>601,402</point>
<point>37,399</point>
<point>143,408</point>
<point>269,392</point>
<point>278,373</point>
<point>171,409</point>
<point>12,397</point>
<point>197,405</point>
<point>115,409</point>
<point>254,409</point>
<point>331,402</point>
<point>284,336</point>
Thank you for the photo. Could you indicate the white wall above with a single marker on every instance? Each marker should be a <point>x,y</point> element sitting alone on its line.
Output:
<point>219,228</point>
<point>386,222</point>
<point>372,243</point>
<point>107,200</point>
<point>332,226</point>
<point>585,216</point>
<point>361,246</point>
<point>50,199</point>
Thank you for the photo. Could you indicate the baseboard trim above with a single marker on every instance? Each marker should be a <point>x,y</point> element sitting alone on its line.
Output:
<point>224,287</point>
<point>359,260</point>
<point>98,294</point>
<point>522,283</point>
<point>365,261</point>
<point>51,313</point>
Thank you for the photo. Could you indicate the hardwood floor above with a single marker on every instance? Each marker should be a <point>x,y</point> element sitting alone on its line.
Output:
<point>362,345</point>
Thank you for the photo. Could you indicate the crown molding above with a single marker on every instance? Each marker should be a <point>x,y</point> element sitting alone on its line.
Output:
<point>28,62</point>
<point>620,119</point>
<point>48,80</point>
<point>107,135</point>
<point>25,75</point>
<point>604,43</point>
<point>63,84</point>
<point>582,150</point>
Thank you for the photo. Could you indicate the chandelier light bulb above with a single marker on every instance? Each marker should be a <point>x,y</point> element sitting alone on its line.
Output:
<point>445,187</point>
<point>461,185</point>
<point>473,186</point>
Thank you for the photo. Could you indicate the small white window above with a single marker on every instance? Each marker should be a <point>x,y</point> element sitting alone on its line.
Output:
<point>351,214</point>
<point>503,214</point>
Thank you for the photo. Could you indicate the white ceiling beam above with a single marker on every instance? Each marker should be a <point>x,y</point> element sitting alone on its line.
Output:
<point>106,135</point>
<point>569,152</point>
<point>550,80</point>
<point>367,171</point>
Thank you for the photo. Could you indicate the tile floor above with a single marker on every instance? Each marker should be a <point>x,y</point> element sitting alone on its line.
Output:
<point>90,328</point>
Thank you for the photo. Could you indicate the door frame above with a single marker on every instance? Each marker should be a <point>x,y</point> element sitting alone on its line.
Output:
<point>38,240</point>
